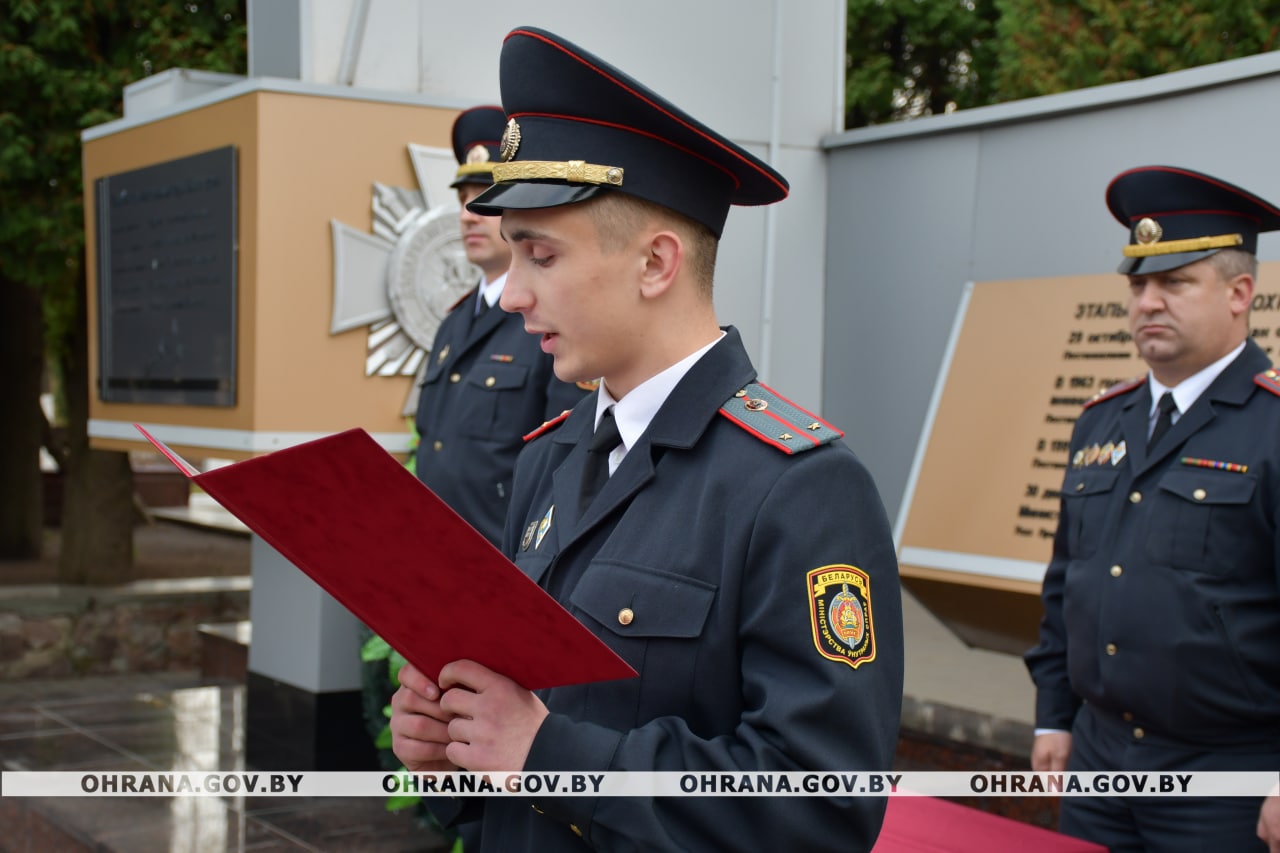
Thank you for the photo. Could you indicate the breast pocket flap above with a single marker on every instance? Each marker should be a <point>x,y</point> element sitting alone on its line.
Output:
<point>634,601</point>
<point>1085,482</point>
<point>1209,487</point>
<point>494,376</point>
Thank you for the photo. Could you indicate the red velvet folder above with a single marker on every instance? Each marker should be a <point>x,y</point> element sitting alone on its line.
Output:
<point>384,545</point>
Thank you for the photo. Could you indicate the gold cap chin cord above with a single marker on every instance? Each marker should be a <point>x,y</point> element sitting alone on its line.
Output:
<point>1195,244</point>
<point>573,171</point>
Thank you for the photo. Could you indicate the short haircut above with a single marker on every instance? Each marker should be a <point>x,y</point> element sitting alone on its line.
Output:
<point>618,216</point>
<point>1233,262</point>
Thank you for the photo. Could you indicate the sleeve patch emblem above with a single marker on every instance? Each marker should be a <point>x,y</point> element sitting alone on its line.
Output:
<point>840,607</point>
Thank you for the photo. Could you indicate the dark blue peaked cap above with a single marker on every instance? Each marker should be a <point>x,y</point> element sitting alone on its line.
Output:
<point>477,133</point>
<point>579,127</point>
<point>1177,216</point>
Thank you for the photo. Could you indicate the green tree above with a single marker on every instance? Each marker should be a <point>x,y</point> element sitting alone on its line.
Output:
<point>63,68</point>
<point>908,58</point>
<point>1047,46</point>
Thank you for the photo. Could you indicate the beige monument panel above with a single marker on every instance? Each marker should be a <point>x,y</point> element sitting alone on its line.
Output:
<point>983,506</point>
<point>232,122</point>
<point>303,161</point>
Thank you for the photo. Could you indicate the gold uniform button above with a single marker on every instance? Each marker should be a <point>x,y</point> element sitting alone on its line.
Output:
<point>1111,648</point>
<point>490,382</point>
<point>1128,718</point>
<point>576,831</point>
<point>455,377</point>
<point>1199,494</point>
<point>1116,571</point>
<point>1139,733</point>
<point>1079,487</point>
<point>438,445</point>
<point>626,616</point>
<point>1135,497</point>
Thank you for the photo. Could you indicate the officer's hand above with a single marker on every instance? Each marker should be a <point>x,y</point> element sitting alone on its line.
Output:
<point>494,720</point>
<point>1269,823</point>
<point>1050,751</point>
<point>419,728</point>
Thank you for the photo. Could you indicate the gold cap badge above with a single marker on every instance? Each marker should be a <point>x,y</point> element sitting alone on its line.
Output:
<point>1147,230</point>
<point>510,141</point>
<point>478,154</point>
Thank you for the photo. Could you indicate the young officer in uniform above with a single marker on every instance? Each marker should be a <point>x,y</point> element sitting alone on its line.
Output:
<point>488,383</point>
<point>1159,645</point>
<point>722,540</point>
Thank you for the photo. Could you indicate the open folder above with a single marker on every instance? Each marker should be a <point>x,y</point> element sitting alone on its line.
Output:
<point>384,545</point>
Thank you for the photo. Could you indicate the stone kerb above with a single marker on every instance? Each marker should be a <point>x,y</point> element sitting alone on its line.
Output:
<point>55,631</point>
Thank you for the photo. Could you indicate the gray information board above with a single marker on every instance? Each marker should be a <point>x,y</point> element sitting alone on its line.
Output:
<point>167,282</point>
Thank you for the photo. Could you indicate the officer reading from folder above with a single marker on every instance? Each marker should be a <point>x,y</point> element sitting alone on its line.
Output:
<point>1160,644</point>
<point>721,539</point>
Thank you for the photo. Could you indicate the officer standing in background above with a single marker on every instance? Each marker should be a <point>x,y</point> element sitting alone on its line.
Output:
<point>487,383</point>
<point>1160,643</point>
<point>721,539</point>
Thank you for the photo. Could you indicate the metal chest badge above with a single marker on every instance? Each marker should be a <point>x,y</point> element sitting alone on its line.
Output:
<point>840,609</point>
<point>543,527</point>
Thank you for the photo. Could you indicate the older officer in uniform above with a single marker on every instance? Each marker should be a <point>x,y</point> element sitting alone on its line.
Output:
<point>738,555</point>
<point>487,383</point>
<point>1160,645</point>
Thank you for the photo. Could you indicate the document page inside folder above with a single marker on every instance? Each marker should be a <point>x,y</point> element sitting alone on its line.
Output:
<point>384,545</point>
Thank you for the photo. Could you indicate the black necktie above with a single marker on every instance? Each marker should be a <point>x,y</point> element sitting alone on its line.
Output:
<point>482,307</point>
<point>1167,407</point>
<point>595,472</point>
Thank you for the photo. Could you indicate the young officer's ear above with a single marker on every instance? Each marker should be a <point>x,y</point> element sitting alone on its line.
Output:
<point>664,256</point>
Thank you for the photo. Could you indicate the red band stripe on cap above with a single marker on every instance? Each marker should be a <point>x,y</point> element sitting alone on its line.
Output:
<point>638,132</point>
<point>1199,177</point>
<point>717,143</point>
<point>1235,213</point>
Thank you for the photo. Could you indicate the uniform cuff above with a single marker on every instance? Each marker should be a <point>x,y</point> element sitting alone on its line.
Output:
<point>564,745</point>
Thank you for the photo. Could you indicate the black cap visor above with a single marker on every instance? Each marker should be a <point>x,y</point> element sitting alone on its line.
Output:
<point>483,179</point>
<point>531,195</point>
<point>1162,263</point>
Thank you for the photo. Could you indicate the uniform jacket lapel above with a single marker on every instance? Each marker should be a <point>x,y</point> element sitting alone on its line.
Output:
<point>1133,426</point>
<point>483,325</point>
<point>1232,387</point>
<point>679,423</point>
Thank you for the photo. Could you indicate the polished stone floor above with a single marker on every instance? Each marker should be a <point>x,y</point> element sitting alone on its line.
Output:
<point>157,723</point>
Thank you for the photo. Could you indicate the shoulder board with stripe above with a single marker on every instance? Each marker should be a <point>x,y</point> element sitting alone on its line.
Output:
<point>470,294</point>
<point>777,421</point>
<point>548,426</point>
<point>1269,379</point>
<point>1116,391</point>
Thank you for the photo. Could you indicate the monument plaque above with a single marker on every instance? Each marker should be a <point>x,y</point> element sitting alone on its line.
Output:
<point>166,237</point>
<point>978,520</point>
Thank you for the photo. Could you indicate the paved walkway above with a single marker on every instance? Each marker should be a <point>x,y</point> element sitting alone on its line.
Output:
<point>181,722</point>
<point>158,723</point>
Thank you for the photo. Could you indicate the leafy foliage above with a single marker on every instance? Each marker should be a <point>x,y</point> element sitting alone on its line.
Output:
<point>909,58</point>
<point>906,58</point>
<point>1048,46</point>
<point>63,66</point>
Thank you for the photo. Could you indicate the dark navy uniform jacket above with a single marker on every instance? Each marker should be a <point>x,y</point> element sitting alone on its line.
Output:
<point>1161,602</point>
<point>705,535</point>
<point>488,383</point>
